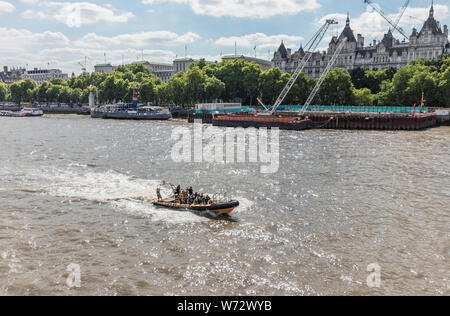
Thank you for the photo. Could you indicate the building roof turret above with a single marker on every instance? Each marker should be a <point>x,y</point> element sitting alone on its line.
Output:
<point>348,32</point>
<point>431,23</point>
<point>282,50</point>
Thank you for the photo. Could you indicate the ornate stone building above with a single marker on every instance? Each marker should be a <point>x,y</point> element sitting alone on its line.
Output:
<point>430,42</point>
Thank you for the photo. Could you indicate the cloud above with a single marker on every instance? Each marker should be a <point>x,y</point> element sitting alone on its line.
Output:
<point>257,9</point>
<point>143,39</point>
<point>372,26</point>
<point>76,14</point>
<point>260,40</point>
<point>6,7</point>
<point>19,40</point>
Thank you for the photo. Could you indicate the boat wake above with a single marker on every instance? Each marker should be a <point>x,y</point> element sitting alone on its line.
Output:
<point>124,193</point>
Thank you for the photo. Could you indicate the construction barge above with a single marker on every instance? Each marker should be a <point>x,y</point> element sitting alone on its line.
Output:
<point>350,121</point>
<point>246,121</point>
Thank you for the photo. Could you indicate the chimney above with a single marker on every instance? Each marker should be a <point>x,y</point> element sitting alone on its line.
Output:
<point>360,40</point>
<point>446,30</point>
<point>289,52</point>
<point>374,43</point>
<point>5,69</point>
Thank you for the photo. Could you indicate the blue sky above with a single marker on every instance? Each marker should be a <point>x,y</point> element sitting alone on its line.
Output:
<point>58,34</point>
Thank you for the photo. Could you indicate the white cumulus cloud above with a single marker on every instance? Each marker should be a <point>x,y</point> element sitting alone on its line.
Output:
<point>143,39</point>
<point>6,7</point>
<point>260,40</point>
<point>258,9</point>
<point>76,14</point>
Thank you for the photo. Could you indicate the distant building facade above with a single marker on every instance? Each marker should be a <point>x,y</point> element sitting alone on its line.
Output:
<point>104,68</point>
<point>430,42</point>
<point>42,75</point>
<point>265,64</point>
<point>161,70</point>
<point>182,64</point>
<point>12,75</point>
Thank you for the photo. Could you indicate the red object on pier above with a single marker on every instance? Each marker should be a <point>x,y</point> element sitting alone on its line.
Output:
<point>414,110</point>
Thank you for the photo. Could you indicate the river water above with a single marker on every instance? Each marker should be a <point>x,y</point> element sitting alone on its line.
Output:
<point>74,190</point>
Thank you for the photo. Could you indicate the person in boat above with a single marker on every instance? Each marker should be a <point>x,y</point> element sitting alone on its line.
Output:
<point>178,190</point>
<point>158,193</point>
<point>190,191</point>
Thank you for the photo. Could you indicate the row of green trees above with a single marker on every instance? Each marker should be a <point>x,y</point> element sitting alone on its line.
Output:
<point>245,81</point>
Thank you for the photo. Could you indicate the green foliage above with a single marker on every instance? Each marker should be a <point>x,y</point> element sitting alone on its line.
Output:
<point>244,81</point>
<point>337,88</point>
<point>444,87</point>
<point>22,91</point>
<point>214,88</point>
<point>363,78</point>
<point>363,97</point>
<point>3,91</point>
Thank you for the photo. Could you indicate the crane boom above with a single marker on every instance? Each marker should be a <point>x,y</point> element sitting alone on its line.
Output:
<point>323,76</point>
<point>388,19</point>
<point>402,12</point>
<point>311,47</point>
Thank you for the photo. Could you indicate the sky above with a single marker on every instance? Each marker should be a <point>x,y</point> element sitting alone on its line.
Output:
<point>63,34</point>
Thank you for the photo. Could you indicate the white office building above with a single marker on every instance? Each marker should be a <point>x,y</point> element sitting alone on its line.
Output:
<point>42,75</point>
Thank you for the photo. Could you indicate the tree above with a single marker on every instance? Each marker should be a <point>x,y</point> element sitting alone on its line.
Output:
<point>409,83</point>
<point>199,64</point>
<point>363,97</point>
<point>41,95</point>
<point>3,91</point>
<point>444,87</point>
<point>22,90</point>
<point>64,95</point>
<point>27,87</point>
<point>214,88</point>
<point>176,89</point>
<point>337,88</point>
<point>16,92</point>
<point>75,96</point>
<point>161,94</point>
<point>230,73</point>
<point>251,73</point>
<point>52,93</point>
<point>58,82</point>
<point>147,91</point>
<point>300,91</point>
<point>270,85</point>
<point>195,85</point>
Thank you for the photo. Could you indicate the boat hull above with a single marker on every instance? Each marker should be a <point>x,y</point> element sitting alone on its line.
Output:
<point>127,116</point>
<point>219,208</point>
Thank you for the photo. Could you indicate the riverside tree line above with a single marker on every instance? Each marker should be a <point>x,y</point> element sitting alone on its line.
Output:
<point>244,81</point>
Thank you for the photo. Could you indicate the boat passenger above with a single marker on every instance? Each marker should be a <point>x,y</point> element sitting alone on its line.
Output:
<point>190,191</point>
<point>158,193</point>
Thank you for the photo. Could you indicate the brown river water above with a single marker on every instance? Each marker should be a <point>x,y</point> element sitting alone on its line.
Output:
<point>75,190</point>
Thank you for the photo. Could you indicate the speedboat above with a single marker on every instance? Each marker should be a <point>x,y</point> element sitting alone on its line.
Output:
<point>179,200</point>
<point>218,207</point>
